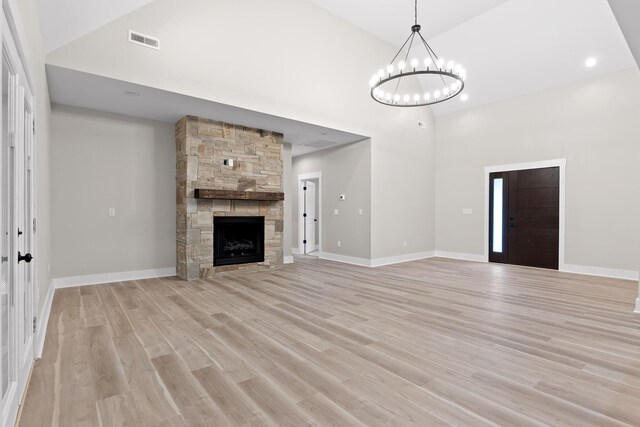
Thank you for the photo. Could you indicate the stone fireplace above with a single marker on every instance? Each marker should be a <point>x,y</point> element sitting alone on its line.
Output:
<point>230,177</point>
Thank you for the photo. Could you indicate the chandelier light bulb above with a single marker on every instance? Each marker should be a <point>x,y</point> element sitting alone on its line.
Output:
<point>416,60</point>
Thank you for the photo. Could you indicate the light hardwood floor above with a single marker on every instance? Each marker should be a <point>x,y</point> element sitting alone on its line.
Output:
<point>424,343</point>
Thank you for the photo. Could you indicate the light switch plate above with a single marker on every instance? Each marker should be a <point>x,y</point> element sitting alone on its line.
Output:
<point>335,211</point>
<point>112,211</point>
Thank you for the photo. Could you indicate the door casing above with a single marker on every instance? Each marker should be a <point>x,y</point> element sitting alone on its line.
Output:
<point>301,179</point>
<point>561,164</point>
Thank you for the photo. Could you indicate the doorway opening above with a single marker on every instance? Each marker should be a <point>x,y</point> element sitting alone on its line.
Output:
<point>310,214</point>
<point>524,211</point>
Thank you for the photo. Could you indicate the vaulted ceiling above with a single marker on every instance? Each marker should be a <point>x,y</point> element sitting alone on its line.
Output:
<point>509,47</point>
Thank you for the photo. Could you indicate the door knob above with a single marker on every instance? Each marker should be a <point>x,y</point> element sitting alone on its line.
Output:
<point>26,257</point>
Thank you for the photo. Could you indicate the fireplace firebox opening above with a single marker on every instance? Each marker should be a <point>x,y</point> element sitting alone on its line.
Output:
<point>238,239</point>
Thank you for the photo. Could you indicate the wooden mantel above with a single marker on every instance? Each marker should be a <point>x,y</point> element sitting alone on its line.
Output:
<point>201,193</point>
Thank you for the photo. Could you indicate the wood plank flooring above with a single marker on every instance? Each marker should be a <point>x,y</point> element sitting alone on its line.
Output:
<point>425,343</point>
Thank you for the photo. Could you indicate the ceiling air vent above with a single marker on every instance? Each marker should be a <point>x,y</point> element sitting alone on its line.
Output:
<point>139,38</point>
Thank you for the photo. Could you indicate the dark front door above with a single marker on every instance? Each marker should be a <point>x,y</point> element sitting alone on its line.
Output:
<point>524,217</point>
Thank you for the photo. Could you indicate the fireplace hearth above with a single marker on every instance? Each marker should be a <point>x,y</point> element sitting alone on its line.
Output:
<point>238,240</point>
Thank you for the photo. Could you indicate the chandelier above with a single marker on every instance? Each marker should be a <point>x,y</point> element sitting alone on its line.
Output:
<point>418,82</point>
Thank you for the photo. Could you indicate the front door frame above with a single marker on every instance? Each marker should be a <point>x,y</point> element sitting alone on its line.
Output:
<point>559,163</point>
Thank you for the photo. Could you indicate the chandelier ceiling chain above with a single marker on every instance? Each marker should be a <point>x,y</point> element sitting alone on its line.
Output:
<point>451,75</point>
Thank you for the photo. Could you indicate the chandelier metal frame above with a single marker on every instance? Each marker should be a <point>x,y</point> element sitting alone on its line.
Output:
<point>432,65</point>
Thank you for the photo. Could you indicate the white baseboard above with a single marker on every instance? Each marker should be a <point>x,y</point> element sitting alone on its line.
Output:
<point>460,256</point>
<point>295,251</point>
<point>288,259</point>
<point>376,262</point>
<point>379,262</point>
<point>637,310</point>
<point>345,259</point>
<point>599,271</point>
<point>43,321</point>
<point>96,279</point>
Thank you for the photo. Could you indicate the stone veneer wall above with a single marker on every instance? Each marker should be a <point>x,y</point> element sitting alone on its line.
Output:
<point>201,147</point>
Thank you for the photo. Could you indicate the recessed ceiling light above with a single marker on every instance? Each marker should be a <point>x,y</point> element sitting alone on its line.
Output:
<point>591,62</point>
<point>129,93</point>
<point>464,97</point>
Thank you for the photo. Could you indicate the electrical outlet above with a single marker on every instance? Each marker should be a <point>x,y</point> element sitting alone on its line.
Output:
<point>339,243</point>
<point>335,211</point>
<point>404,243</point>
<point>360,211</point>
<point>467,211</point>
<point>112,212</point>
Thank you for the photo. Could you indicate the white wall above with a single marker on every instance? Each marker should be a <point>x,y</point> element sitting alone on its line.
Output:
<point>345,170</point>
<point>593,124</point>
<point>102,161</point>
<point>292,59</point>
<point>31,25</point>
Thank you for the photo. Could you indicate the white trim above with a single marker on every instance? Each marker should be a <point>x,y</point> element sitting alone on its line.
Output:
<point>376,262</point>
<point>637,310</point>
<point>295,251</point>
<point>97,279</point>
<point>600,271</point>
<point>363,262</point>
<point>43,321</point>
<point>14,19</point>
<point>560,163</point>
<point>288,259</point>
<point>379,262</point>
<point>460,256</point>
<point>300,210</point>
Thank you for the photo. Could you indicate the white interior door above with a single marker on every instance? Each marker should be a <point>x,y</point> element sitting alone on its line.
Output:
<point>16,234</point>
<point>8,376</point>
<point>311,220</point>
<point>24,231</point>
